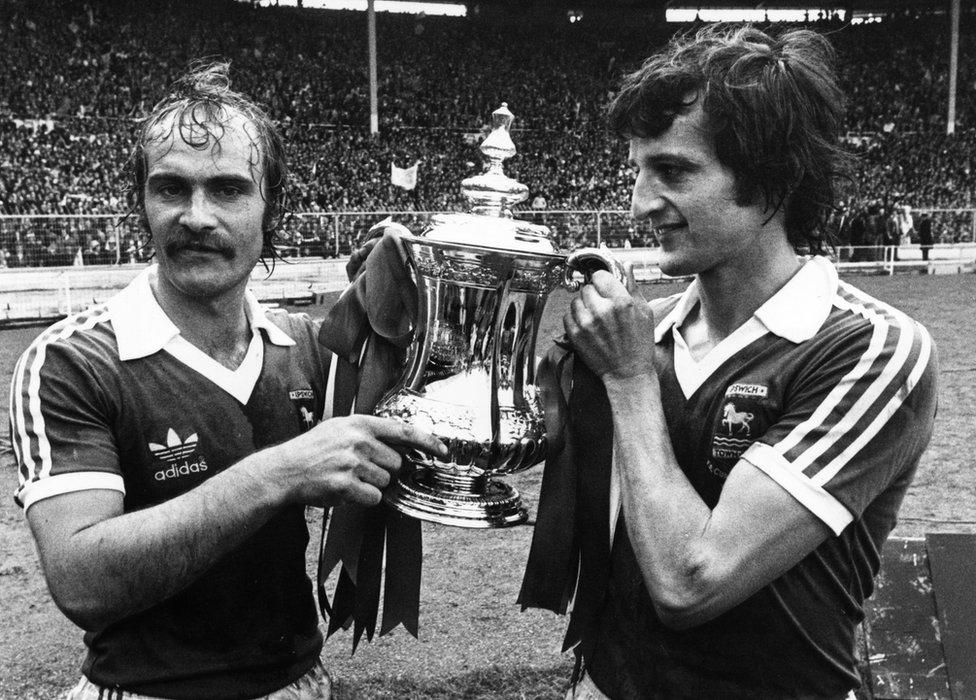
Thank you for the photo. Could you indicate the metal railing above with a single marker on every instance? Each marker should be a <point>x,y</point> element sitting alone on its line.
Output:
<point>105,239</point>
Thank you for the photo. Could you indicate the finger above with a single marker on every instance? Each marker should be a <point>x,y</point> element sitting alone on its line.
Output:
<point>363,494</point>
<point>608,285</point>
<point>373,475</point>
<point>631,280</point>
<point>571,328</point>
<point>580,313</point>
<point>383,456</point>
<point>395,432</point>
<point>594,299</point>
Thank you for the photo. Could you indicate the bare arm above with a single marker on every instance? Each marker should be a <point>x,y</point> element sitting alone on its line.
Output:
<point>103,565</point>
<point>696,562</point>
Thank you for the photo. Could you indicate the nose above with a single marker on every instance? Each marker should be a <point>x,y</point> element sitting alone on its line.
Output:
<point>645,200</point>
<point>198,214</point>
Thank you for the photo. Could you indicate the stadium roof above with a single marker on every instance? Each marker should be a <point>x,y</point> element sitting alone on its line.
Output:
<point>661,5</point>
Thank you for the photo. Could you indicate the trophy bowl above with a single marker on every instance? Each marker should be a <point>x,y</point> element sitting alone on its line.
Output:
<point>469,376</point>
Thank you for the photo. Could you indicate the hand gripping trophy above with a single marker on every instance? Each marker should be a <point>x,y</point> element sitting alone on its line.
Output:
<point>482,279</point>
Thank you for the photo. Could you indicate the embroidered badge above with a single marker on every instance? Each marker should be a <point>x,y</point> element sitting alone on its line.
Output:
<point>178,456</point>
<point>734,434</point>
<point>304,401</point>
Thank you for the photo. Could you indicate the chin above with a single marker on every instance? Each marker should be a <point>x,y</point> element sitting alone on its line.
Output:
<point>200,278</point>
<point>676,266</point>
<point>205,285</point>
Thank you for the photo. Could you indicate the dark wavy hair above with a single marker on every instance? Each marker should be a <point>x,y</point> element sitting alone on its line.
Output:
<point>197,111</point>
<point>773,107</point>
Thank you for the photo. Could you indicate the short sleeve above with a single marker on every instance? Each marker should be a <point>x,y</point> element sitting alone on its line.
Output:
<point>856,419</point>
<point>59,425</point>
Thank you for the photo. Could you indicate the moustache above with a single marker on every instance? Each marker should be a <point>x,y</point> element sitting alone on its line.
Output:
<point>200,244</point>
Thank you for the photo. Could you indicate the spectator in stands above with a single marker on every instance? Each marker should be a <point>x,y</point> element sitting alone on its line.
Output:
<point>892,232</point>
<point>167,442</point>
<point>857,235</point>
<point>906,224</point>
<point>925,239</point>
<point>74,74</point>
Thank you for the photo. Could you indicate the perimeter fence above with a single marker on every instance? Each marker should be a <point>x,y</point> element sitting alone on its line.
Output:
<point>63,264</point>
<point>105,239</point>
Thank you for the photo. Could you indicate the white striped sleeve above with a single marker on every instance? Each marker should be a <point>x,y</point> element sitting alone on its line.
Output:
<point>59,432</point>
<point>860,417</point>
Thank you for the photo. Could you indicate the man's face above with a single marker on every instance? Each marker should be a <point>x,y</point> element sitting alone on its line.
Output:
<point>205,209</point>
<point>689,197</point>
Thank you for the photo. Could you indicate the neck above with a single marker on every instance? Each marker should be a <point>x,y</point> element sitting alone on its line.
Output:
<point>731,293</point>
<point>216,325</point>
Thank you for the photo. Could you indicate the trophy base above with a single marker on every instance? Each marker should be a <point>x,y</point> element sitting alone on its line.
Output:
<point>497,505</point>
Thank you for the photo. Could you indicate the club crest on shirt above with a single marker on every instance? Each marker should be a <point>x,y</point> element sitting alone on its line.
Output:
<point>304,402</point>
<point>178,457</point>
<point>734,433</point>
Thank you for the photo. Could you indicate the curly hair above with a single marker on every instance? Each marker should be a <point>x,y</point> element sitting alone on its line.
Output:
<point>198,110</point>
<point>773,107</point>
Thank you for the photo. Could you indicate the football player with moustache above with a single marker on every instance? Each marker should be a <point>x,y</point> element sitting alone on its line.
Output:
<point>193,585</point>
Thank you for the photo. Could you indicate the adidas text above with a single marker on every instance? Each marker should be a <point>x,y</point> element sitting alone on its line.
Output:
<point>177,470</point>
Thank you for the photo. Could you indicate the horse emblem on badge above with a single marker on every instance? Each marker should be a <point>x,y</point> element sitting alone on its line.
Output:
<point>733,433</point>
<point>736,421</point>
<point>304,402</point>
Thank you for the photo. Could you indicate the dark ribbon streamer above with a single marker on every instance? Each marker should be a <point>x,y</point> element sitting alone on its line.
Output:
<point>570,553</point>
<point>368,330</point>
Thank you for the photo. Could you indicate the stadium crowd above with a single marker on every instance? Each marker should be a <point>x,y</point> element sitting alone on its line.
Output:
<point>75,75</point>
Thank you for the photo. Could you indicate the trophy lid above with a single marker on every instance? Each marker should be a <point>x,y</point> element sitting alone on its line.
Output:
<point>491,195</point>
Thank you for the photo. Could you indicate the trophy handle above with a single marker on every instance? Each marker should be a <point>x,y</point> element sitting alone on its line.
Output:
<point>585,261</point>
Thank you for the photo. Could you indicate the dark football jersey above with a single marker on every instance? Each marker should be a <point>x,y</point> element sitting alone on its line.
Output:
<point>832,394</point>
<point>113,399</point>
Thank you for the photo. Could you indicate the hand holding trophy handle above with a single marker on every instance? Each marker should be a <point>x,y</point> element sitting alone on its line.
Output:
<point>583,262</point>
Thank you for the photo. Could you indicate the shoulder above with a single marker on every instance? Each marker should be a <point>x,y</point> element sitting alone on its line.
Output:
<point>79,338</point>
<point>869,351</point>
<point>304,331</point>
<point>878,328</point>
<point>296,325</point>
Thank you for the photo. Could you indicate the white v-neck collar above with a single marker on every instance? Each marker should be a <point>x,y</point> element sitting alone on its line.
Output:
<point>142,329</point>
<point>691,373</point>
<point>796,312</point>
<point>239,382</point>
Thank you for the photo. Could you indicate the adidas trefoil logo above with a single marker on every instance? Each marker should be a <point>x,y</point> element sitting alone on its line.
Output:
<point>176,454</point>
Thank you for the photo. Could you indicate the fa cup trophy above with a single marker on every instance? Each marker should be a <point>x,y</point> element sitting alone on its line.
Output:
<point>482,279</point>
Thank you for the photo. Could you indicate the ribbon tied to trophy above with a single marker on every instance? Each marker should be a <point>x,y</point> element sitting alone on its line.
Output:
<point>439,330</point>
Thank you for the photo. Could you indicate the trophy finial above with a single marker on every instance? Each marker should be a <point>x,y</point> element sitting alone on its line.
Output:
<point>493,192</point>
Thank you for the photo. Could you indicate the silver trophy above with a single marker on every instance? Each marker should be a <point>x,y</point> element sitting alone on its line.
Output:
<point>482,279</point>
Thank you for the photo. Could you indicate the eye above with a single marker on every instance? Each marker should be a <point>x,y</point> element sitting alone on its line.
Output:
<point>229,191</point>
<point>168,190</point>
<point>670,172</point>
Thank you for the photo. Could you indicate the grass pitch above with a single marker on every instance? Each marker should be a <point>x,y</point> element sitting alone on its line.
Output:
<point>474,642</point>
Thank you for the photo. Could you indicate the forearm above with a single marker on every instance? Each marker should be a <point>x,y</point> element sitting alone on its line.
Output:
<point>666,518</point>
<point>124,564</point>
<point>103,565</point>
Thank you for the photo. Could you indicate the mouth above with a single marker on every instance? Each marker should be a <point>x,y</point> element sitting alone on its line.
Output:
<point>664,229</point>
